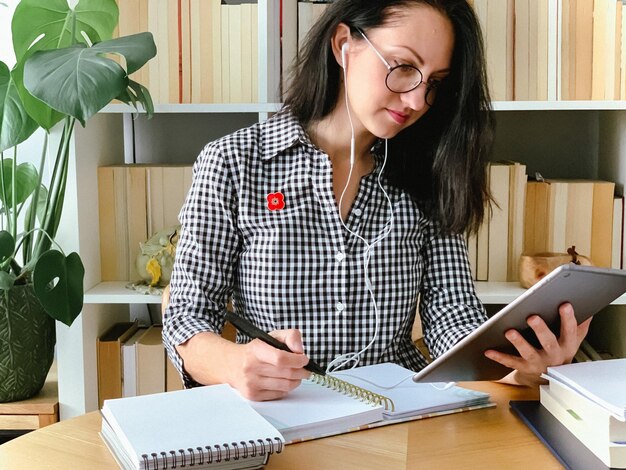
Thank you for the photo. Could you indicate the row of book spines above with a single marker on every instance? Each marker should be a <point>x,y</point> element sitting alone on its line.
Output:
<point>495,250</point>
<point>207,52</point>
<point>518,35</point>
<point>581,213</point>
<point>530,218</point>
<point>593,54</point>
<point>135,202</point>
<point>132,361</point>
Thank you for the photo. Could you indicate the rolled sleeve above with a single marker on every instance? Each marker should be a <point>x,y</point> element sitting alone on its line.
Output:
<point>449,307</point>
<point>206,256</point>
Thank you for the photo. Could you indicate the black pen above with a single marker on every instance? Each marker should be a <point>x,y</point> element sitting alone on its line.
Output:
<point>252,331</point>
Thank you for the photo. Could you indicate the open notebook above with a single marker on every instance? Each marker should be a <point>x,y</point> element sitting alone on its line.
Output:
<point>361,398</point>
<point>204,427</point>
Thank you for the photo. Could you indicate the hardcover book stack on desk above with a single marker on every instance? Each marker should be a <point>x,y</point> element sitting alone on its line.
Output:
<point>589,399</point>
<point>363,398</point>
<point>204,427</point>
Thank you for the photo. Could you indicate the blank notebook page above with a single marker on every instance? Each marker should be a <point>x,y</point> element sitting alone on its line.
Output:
<point>197,417</point>
<point>410,398</point>
<point>312,410</point>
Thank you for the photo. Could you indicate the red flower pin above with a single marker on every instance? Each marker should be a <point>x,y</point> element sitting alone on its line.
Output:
<point>275,201</point>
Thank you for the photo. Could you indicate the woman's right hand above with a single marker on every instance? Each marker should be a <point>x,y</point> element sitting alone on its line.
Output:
<point>267,373</point>
<point>257,370</point>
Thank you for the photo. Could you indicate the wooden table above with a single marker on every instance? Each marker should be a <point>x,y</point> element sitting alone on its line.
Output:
<point>487,438</point>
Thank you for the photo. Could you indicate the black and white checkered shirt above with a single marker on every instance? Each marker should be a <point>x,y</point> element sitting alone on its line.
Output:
<point>296,266</point>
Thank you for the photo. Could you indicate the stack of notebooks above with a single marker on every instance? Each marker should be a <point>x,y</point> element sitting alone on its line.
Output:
<point>586,405</point>
<point>214,427</point>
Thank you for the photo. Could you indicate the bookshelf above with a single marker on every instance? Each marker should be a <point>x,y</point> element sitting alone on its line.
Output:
<point>566,139</point>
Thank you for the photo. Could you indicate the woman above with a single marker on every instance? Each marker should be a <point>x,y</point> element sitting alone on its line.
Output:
<point>327,222</point>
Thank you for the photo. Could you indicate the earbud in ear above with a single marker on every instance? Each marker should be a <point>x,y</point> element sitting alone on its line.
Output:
<point>344,48</point>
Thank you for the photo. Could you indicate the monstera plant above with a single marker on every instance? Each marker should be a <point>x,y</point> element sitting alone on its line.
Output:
<point>68,68</point>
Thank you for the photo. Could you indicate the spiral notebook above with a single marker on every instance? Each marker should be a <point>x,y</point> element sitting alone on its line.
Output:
<point>204,427</point>
<point>363,398</point>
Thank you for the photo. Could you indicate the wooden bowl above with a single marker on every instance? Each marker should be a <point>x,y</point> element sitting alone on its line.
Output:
<point>533,268</point>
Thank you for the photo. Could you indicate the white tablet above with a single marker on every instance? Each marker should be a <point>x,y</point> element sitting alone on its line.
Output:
<point>588,289</point>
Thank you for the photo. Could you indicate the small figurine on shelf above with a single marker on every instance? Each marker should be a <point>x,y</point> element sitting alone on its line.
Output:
<point>155,261</point>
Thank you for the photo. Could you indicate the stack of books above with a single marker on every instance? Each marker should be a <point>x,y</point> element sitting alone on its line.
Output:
<point>589,399</point>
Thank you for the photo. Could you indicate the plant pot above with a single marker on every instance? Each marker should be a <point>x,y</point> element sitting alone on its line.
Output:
<point>27,338</point>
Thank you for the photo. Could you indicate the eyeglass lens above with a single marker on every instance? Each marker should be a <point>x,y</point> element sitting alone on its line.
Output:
<point>404,78</point>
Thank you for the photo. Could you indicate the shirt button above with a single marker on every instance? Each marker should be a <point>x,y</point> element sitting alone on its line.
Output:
<point>339,256</point>
<point>358,212</point>
<point>339,307</point>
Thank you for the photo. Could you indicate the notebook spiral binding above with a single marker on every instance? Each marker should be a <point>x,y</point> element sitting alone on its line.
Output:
<point>209,454</point>
<point>355,391</point>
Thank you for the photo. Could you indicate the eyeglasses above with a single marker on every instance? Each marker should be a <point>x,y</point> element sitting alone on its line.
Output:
<point>403,78</point>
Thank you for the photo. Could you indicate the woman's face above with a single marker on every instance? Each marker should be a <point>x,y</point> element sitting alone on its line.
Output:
<point>421,37</point>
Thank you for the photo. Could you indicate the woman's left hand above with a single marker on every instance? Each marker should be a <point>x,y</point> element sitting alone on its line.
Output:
<point>532,362</point>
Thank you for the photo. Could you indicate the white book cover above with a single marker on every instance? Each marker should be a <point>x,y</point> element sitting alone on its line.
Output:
<point>603,382</point>
<point>146,432</point>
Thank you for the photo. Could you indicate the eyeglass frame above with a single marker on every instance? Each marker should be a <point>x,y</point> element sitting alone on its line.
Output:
<point>391,68</point>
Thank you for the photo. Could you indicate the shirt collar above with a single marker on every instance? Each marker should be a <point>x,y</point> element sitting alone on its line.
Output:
<point>280,132</point>
<point>283,130</point>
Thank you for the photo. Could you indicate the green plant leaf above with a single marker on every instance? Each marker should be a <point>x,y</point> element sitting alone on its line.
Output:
<point>15,123</point>
<point>54,19</point>
<point>7,246</point>
<point>58,284</point>
<point>39,111</point>
<point>7,280</point>
<point>47,24</point>
<point>41,205</point>
<point>75,81</point>
<point>26,180</point>
<point>137,49</point>
<point>79,81</point>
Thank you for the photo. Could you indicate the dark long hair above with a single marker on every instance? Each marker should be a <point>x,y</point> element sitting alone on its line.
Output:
<point>441,159</point>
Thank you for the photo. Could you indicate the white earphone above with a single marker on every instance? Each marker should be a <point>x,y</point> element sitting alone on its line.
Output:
<point>353,358</point>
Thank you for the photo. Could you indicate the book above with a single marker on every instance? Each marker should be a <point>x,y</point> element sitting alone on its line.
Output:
<point>499,185</point>
<point>602,223</point>
<point>595,419</point>
<point>603,382</point>
<point>361,398</point>
<point>150,360</point>
<point>517,199</point>
<point>559,441</point>
<point>109,359</point>
<point>203,427</point>
<point>129,364</point>
<point>617,234</point>
<point>610,453</point>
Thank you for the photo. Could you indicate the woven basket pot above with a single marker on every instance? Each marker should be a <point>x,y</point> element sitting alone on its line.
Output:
<point>27,338</point>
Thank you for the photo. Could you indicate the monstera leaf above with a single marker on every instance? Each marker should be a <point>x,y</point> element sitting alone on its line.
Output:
<point>15,124</point>
<point>58,283</point>
<point>50,25</point>
<point>26,179</point>
<point>79,80</point>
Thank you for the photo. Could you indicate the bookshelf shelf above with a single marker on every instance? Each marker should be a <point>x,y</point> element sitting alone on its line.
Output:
<point>116,292</point>
<point>273,107</point>
<point>199,108</point>
<point>558,105</point>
